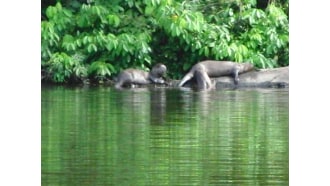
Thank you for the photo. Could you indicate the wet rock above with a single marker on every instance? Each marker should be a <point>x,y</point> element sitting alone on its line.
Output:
<point>264,78</point>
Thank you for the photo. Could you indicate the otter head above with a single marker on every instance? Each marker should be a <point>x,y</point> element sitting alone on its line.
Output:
<point>159,70</point>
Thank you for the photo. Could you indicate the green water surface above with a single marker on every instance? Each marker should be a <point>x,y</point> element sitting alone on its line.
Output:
<point>163,136</point>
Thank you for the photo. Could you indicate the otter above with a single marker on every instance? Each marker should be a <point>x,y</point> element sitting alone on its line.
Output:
<point>203,80</point>
<point>203,70</point>
<point>136,76</point>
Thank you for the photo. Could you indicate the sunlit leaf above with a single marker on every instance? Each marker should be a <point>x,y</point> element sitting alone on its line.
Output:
<point>149,10</point>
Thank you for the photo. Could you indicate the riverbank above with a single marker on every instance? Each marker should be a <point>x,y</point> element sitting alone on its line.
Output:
<point>264,78</point>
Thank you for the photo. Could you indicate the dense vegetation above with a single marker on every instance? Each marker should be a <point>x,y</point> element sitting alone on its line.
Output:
<point>96,39</point>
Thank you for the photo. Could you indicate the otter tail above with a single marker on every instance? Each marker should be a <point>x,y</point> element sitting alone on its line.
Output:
<point>186,78</point>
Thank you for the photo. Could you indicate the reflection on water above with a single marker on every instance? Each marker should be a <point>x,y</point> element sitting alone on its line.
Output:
<point>158,136</point>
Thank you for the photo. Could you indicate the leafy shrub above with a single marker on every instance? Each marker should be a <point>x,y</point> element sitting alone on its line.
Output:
<point>98,38</point>
<point>99,70</point>
<point>62,67</point>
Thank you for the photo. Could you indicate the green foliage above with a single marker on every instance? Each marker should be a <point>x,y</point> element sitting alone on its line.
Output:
<point>100,69</point>
<point>62,67</point>
<point>98,38</point>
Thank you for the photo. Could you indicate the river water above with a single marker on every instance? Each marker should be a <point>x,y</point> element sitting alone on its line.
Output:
<point>164,136</point>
